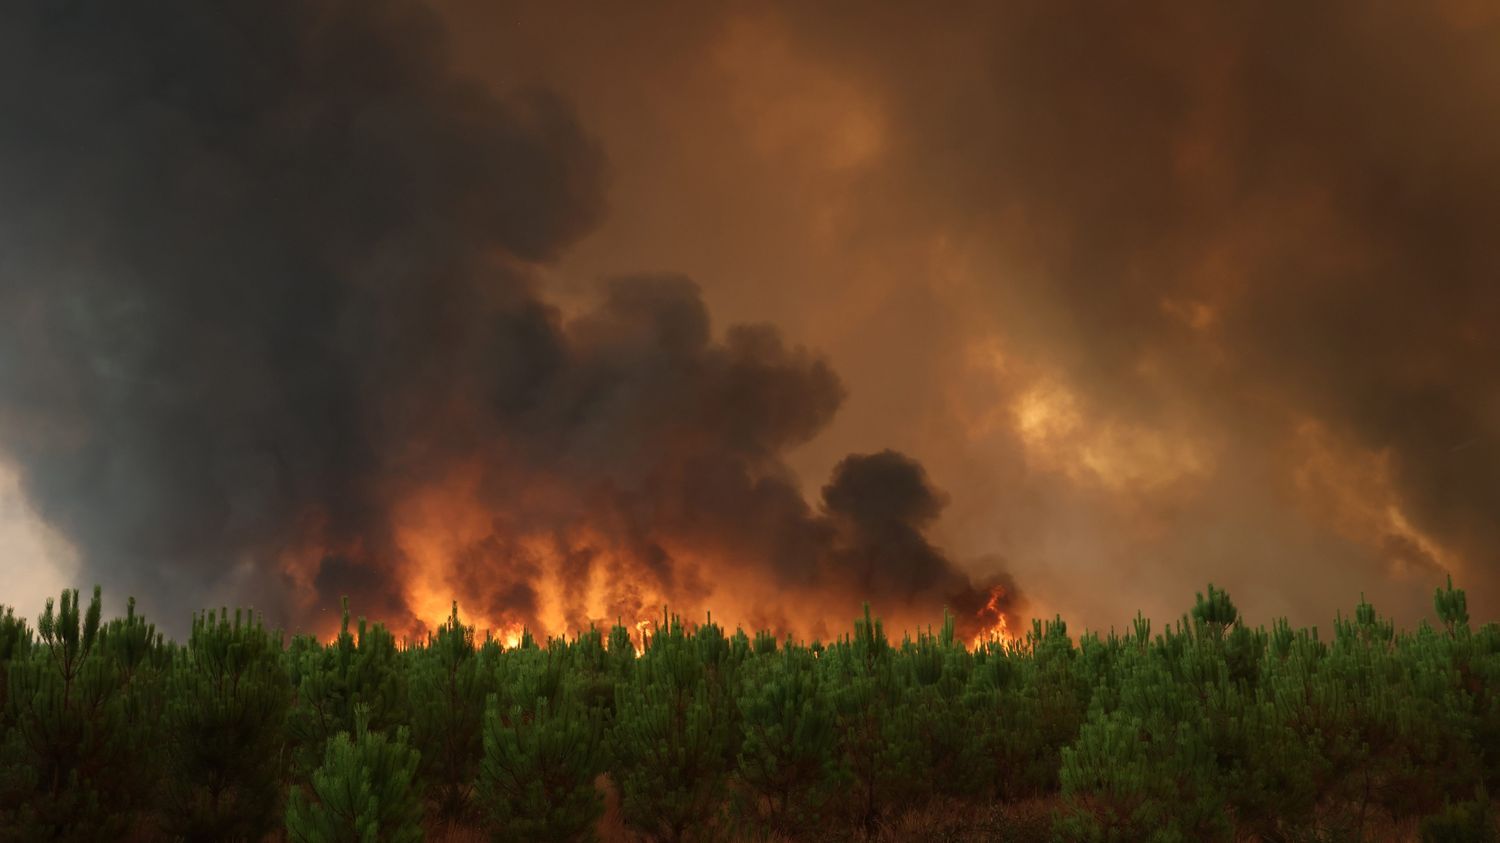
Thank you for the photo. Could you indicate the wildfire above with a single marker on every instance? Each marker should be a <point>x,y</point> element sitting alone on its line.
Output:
<point>998,631</point>
<point>642,628</point>
<point>509,577</point>
<point>510,637</point>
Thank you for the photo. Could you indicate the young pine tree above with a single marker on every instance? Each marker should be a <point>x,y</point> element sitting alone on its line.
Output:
<point>543,748</point>
<point>787,761</point>
<point>448,686</point>
<point>225,719</point>
<point>15,643</point>
<point>80,760</point>
<point>675,734</point>
<point>362,669</point>
<point>934,672</point>
<point>363,793</point>
<point>1146,769</point>
<point>879,746</point>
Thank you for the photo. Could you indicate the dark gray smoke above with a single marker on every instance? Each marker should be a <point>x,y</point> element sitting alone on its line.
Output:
<point>263,272</point>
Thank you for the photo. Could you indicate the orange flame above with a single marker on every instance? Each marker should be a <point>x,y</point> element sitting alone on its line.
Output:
<point>642,630</point>
<point>572,575</point>
<point>510,636</point>
<point>997,632</point>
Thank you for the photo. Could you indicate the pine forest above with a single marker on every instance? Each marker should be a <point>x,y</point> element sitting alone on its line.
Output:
<point>1208,730</point>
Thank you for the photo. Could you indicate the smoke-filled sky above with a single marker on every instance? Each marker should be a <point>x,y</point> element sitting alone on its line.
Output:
<point>568,311</point>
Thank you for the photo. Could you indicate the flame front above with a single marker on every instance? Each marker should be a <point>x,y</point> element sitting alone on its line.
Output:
<point>539,557</point>
<point>998,629</point>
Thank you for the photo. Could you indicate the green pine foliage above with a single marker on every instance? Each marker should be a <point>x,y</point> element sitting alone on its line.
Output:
<point>358,670</point>
<point>543,748</point>
<point>15,642</point>
<point>363,792</point>
<point>1144,765</point>
<point>1217,731</point>
<point>449,680</point>
<point>225,731</point>
<point>676,733</point>
<point>1206,730</point>
<point>934,675</point>
<point>879,744</point>
<point>82,731</point>
<point>788,758</point>
<point>1027,701</point>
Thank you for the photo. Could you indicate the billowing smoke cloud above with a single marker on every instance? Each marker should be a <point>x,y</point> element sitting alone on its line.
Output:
<point>1164,292</point>
<point>268,332</point>
<point>1271,228</point>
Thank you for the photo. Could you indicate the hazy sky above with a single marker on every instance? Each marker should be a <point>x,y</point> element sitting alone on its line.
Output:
<point>1156,294</point>
<point>37,563</point>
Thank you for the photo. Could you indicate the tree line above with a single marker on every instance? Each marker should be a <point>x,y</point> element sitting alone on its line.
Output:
<point>1207,730</point>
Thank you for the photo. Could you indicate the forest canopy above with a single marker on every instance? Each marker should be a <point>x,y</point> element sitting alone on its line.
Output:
<point>1206,730</point>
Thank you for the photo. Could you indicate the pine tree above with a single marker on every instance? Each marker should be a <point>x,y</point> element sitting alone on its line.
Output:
<point>675,734</point>
<point>934,672</point>
<point>787,761</point>
<point>543,749</point>
<point>226,724</point>
<point>359,669</point>
<point>593,666</point>
<point>879,746</point>
<point>1452,608</point>
<point>362,793</point>
<point>1215,614</point>
<point>448,686</point>
<point>1146,769</point>
<point>1028,702</point>
<point>80,760</point>
<point>15,644</point>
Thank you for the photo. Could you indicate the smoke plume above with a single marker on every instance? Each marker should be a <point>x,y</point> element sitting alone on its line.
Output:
<point>270,332</point>
<point>1165,293</point>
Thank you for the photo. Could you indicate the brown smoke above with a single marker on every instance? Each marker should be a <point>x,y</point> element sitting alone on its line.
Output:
<point>270,330</point>
<point>300,299</point>
<point>1165,293</point>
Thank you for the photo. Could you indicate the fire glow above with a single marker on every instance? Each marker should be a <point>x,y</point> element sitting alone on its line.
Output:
<point>563,582</point>
<point>997,633</point>
<point>546,564</point>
